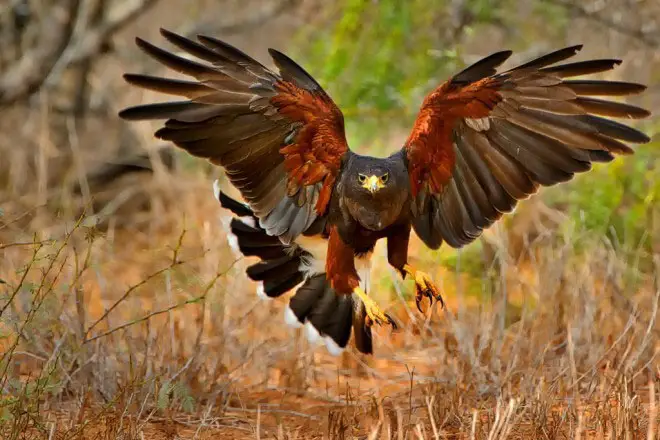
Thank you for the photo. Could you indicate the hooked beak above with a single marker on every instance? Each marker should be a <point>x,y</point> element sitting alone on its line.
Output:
<point>372,184</point>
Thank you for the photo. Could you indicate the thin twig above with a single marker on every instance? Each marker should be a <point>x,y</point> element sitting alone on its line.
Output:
<point>148,316</point>
<point>129,291</point>
<point>22,280</point>
<point>251,22</point>
<point>30,72</point>
<point>90,43</point>
<point>648,38</point>
<point>173,264</point>
<point>25,243</point>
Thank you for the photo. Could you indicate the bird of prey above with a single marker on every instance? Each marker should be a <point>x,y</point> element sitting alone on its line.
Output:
<point>482,141</point>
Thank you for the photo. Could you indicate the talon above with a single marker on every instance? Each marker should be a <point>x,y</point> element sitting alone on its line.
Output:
<point>418,302</point>
<point>391,322</point>
<point>425,288</point>
<point>438,298</point>
<point>374,314</point>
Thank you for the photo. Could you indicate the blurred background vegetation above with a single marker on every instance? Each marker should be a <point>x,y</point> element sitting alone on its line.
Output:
<point>68,163</point>
<point>377,58</point>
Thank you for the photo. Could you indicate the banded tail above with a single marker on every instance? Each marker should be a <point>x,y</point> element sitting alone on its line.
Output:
<point>315,304</point>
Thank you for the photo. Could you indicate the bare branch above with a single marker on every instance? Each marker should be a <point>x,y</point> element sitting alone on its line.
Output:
<point>81,98</point>
<point>91,41</point>
<point>30,72</point>
<point>150,315</point>
<point>649,38</point>
<point>62,43</point>
<point>248,23</point>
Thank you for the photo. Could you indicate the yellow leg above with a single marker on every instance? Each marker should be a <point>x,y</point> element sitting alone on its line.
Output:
<point>425,287</point>
<point>374,314</point>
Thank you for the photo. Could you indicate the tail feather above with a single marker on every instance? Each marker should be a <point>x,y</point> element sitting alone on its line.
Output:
<point>306,297</point>
<point>315,304</point>
<point>361,333</point>
<point>253,242</point>
<point>278,276</point>
<point>240,226</point>
<point>277,287</point>
<point>234,206</point>
<point>334,319</point>
<point>278,268</point>
<point>330,314</point>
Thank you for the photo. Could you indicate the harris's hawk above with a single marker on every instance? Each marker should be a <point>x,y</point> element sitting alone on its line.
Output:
<point>315,209</point>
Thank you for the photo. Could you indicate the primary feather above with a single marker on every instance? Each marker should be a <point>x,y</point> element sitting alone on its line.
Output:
<point>503,135</point>
<point>482,141</point>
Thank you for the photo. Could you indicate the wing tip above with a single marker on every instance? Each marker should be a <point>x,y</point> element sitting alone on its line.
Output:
<point>128,114</point>
<point>644,139</point>
<point>278,57</point>
<point>206,39</point>
<point>133,78</point>
<point>141,43</point>
<point>212,41</point>
<point>173,37</point>
<point>637,88</point>
<point>161,133</point>
<point>575,48</point>
<point>147,47</point>
<point>274,52</point>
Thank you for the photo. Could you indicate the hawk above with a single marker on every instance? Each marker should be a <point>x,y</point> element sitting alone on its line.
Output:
<point>482,141</point>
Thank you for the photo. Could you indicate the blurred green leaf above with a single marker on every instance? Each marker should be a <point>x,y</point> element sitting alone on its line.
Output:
<point>163,400</point>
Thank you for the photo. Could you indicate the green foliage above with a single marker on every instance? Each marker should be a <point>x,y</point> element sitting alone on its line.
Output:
<point>378,57</point>
<point>467,260</point>
<point>170,394</point>
<point>618,200</point>
<point>555,18</point>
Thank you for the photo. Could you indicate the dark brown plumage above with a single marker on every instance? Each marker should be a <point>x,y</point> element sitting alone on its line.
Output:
<point>482,141</point>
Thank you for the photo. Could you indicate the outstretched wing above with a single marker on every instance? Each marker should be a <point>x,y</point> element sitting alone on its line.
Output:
<point>483,140</point>
<point>279,137</point>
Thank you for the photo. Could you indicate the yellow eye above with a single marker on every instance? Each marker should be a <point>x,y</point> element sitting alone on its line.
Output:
<point>384,178</point>
<point>362,178</point>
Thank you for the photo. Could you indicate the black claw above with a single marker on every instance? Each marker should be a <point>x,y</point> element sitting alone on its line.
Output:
<point>368,322</point>
<point>418,301</point>
<point>440,300</point>
<point>391,322</point>
<point>430,294</point>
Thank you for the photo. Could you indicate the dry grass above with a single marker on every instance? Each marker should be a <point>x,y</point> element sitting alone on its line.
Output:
<point>124,314</point>
<point>154,332</point>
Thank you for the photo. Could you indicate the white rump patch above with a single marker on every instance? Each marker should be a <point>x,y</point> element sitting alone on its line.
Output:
<point>479,124</point>
<point>333,348</point>
<point>313,335</point>
<point>318,248</point>
<point>232,240</point>
<point>261,292</point>
<point>248,221</point>
<point>216,189</point>
<point>290,318</point>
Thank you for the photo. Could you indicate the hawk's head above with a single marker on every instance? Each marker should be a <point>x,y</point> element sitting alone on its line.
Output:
<point>374,190</point>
